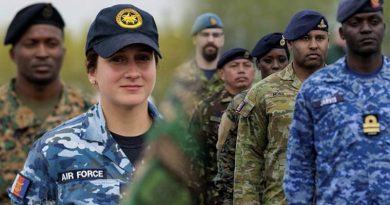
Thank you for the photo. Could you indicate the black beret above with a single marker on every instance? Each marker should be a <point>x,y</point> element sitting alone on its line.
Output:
<point>233,54</point>
<point>303,22</point>
<point>121,25</point>
<point>348,8</point>
<point>269,42</point>
<point>39,13</point>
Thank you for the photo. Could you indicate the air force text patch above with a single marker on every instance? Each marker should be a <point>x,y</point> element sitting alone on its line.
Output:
<point>82,174</point>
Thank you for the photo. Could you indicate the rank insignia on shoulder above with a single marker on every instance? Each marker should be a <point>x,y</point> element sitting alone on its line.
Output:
<point>328,101</point>
<point>240,106</point>
<point>20,186</point>
<point>371,125</point>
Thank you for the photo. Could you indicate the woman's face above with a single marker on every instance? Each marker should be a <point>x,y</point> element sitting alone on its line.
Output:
<point>275,60</point>
<point>127,78</point>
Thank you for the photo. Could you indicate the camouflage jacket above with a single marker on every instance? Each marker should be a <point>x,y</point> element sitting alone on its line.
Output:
<point>204,127</point>
<point>226,147</point>
<point>79,162</point>
<point>262,139</point>
<point>19,128</point>
<point>189,86</point>
<point>339,145</point>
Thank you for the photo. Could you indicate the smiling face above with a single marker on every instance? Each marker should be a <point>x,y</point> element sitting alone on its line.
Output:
<point>310,50</point>
<point>364,33</point>
<point>127,78</point>
<point>39,53</point>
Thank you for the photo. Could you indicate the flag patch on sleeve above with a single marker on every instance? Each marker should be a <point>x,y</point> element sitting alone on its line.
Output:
<point>20,186</point>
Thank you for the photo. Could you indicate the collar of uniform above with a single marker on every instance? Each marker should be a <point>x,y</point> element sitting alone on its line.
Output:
<point>288,74</point>
<point>97,123</point>
<point>226,96</point>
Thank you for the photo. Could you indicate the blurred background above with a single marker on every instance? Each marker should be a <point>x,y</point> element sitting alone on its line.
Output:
<point>244,22</point>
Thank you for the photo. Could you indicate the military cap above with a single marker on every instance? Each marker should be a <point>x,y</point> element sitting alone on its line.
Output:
<point>39,13</point>
<point>206,20</point>
<point>269,42</point>
<point>303,22</point>
<point>348,8</point>
<point>233,54</point>
<point>121,25</point>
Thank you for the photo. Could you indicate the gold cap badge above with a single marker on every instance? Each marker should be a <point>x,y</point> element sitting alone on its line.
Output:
<point>129,18</point>
<point>282,41</point>
<point>375,3</point>
<point>213,21</point>
<point>47,12</point>
<point>322,24</point>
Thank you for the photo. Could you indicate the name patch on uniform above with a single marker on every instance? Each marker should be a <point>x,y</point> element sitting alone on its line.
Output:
<point>20,186</point>
<point>328,101</point>
<point>82,174</point>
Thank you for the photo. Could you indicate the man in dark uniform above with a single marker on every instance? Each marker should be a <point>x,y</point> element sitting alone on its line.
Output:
<point>35,100</point>
<point>237,71</point>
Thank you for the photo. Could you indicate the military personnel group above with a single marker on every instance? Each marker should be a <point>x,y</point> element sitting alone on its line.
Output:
<point>273,125</point>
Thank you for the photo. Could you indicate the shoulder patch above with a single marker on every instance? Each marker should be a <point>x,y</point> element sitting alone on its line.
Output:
<point>244,108</point>
<point>20,186</point>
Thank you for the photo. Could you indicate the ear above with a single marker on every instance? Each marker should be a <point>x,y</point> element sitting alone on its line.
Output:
<point>220,73</point>
<point>194,40</point>
<point>341,32</point>
<point>12,54</point>
<point>289,44</point>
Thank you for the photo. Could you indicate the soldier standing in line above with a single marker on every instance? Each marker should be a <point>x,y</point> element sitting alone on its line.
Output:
<point>91,158</point>
<point>36,100</point>
<point>272,55</point>
<point>338,150</point>
<point>237,71</point>
<point>197,79</point>
<point>266,113</point>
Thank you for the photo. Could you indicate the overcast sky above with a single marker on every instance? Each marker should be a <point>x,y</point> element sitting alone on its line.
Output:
<point>77,13</point>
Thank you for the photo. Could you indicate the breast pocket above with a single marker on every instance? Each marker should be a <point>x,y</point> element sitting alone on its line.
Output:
<point>96,191</point>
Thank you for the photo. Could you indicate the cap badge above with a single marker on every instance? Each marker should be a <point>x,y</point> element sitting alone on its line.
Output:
<point>282,41</point>
<point>322,24</point>
<point>129,18</point>
<point>246,55</point>
<point>375,3</point>
<point>47,12</point>
<point>371,124</point>
<point>213,21</point>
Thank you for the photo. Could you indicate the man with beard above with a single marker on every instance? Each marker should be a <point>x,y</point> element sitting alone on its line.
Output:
<point>35,100</point>
<point>338,149</point>
<point>266,112</point>
<point>237,72</point>
<point>196,79</point>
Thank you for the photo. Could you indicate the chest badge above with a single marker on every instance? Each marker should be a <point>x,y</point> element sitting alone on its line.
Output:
<point>371,124</point>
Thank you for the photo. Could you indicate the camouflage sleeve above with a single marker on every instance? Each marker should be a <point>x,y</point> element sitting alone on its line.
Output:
<point>33,184</point>
<point>300,164</point>
<point>223,130</point>
<point>251,141</point>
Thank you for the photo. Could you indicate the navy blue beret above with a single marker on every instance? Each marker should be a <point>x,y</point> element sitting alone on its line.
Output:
<point>303,22</point>
<point>206,20</point>
<point>348,8</point>
<point>121,25</point>
<point>40,13</point>
<point>269,42</point>
<point>233,54</point>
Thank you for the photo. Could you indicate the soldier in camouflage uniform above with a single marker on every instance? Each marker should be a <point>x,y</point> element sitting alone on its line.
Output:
<point>90,159</point>
<point>237,71</point>
<point>265,114</point>
<point>271,56</point>
<point>197,79</point>
<point>338,150</point>
<point>35,100</point>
